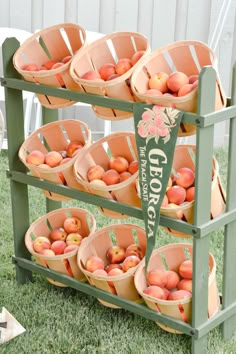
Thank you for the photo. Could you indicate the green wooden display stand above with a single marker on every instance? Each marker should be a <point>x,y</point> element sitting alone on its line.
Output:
<point>200,231</point>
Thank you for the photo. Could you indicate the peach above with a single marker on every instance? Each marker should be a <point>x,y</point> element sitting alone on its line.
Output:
<point>156,277</point>
<point>173,279</point>
<point>130,262</point>
<point>192,78</point>
<point>153,92</point>
<point>91,75</point>
<point>184,177</point>
<point>154,291</point>
<point>133,167</point>
<point>31,67</point>
<point>58,234</point>
<point>40,243</point>
<point>93,263</point>
<point>95,172</point>
<point>185,89</point>
<point>35,157</point>
<point>135,250</point>
<point>158,81</point>
<point>49,64</point>
<point>111,177</point>
<point>176,80</point>
<point>136,56</point>
<point>166,293</point>
<point>47,252</point>
<point>116,254</point>
<point>164,202</point>
<point>74,238</point>
<point>101,272</point>
<point>176,194</point>
<point>70,248</point>
<point>53,158</point>
<point>179,295</point>
<point>66,59</point>
<point>123,65</point>
<point>98,183</point>
<point>58,247</point>
<point>185,284</point>
<point>65,160</point>
<point>106,70</point>
<point>72,147</point>
<point>114,272</point>
<point>186,269</point>
<point>118,163</point>
<point>72,224</point>
<point>195,84</point>
<point>112,77</point>
<point>124,176</point>
<point>112,266</point>
<point>190,194</point>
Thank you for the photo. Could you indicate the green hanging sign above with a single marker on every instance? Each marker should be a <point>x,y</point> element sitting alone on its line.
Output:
<point>156,134</point>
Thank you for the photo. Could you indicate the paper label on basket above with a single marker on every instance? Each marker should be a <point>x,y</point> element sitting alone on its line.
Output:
<point>156,134</point>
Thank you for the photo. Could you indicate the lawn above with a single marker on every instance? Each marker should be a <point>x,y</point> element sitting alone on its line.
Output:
<point>65,321</point>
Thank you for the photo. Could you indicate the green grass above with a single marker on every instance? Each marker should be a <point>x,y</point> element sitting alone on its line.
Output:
<point>64,321</point>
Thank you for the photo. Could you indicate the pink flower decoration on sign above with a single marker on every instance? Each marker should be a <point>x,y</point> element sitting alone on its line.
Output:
<point>157,123</point>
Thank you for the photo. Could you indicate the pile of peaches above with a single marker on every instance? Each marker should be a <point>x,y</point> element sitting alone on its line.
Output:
<point>180,188</point>
<point>60,240</point>
<point>176,84</point>
<point>169,284</point>
<point>120,260</point>
<point>119,170</point>
<point>48,65</point>
<point>110,71</point>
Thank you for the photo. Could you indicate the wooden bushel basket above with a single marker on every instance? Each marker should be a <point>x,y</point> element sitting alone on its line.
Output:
<point>64,263</point>
<point>184,156</point>
<point>52,43</point>
<point>99,153</point>
<point>108,49</point>
<point>55,136</point>
<point>170,257</point>
<point>98,244</point>
<point>188,57</point>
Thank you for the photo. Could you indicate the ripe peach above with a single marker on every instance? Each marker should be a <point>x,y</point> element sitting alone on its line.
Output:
<point>123,65</point>
<point>74,238</point>
<point>65,160</point>
<point>190,194</point>
<point>72,224</point>
<point>58,247</point>
<point>176,80</point>
<point>112,77</point>
<point>106,70</point>
<point>173,279</point>
<point>101,272</point>
<point>192,79</point>
<point>58,234</point>
<point>153,92</point>
<point>186,269</point>
<point>185,284</point>
<point>116,254</point>
<point>185,89</point>
<point>133,167</point>
<point>95,172</point>
<point>91,75</point>
<point>118,163</point>
<point>53,158</point>
<point>111,177</point>
<point>70,248</point>
<point>124,176</point>
<point>136,56</point>
<point>40,243</point>
<point>179,295</point>
<point>166,293</point>
<point>155,291</point>
<point>112,266</point>
<point>158,81</point>
<point>114,272</point>
<point>176,194</point>
<point>184,177</point>
<point>66,59</point>
<point>47,252</point>
<point>72,147</point>
<point>49,64</point>
<point>31,67</point>
<point>157,277</point>
<point>130,262</point>
<point>135,250</point>
<point>35,157</point>
<point>93,263</point>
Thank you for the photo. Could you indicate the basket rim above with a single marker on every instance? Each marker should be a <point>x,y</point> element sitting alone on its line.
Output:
<point>49,126</point>
<point>79,157</point>
<point>52,213</point>
<point>37,34</point>
<point>96,43</point>
<point>96,234</point>
<point>157,251</point>
<point>187,205</point>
